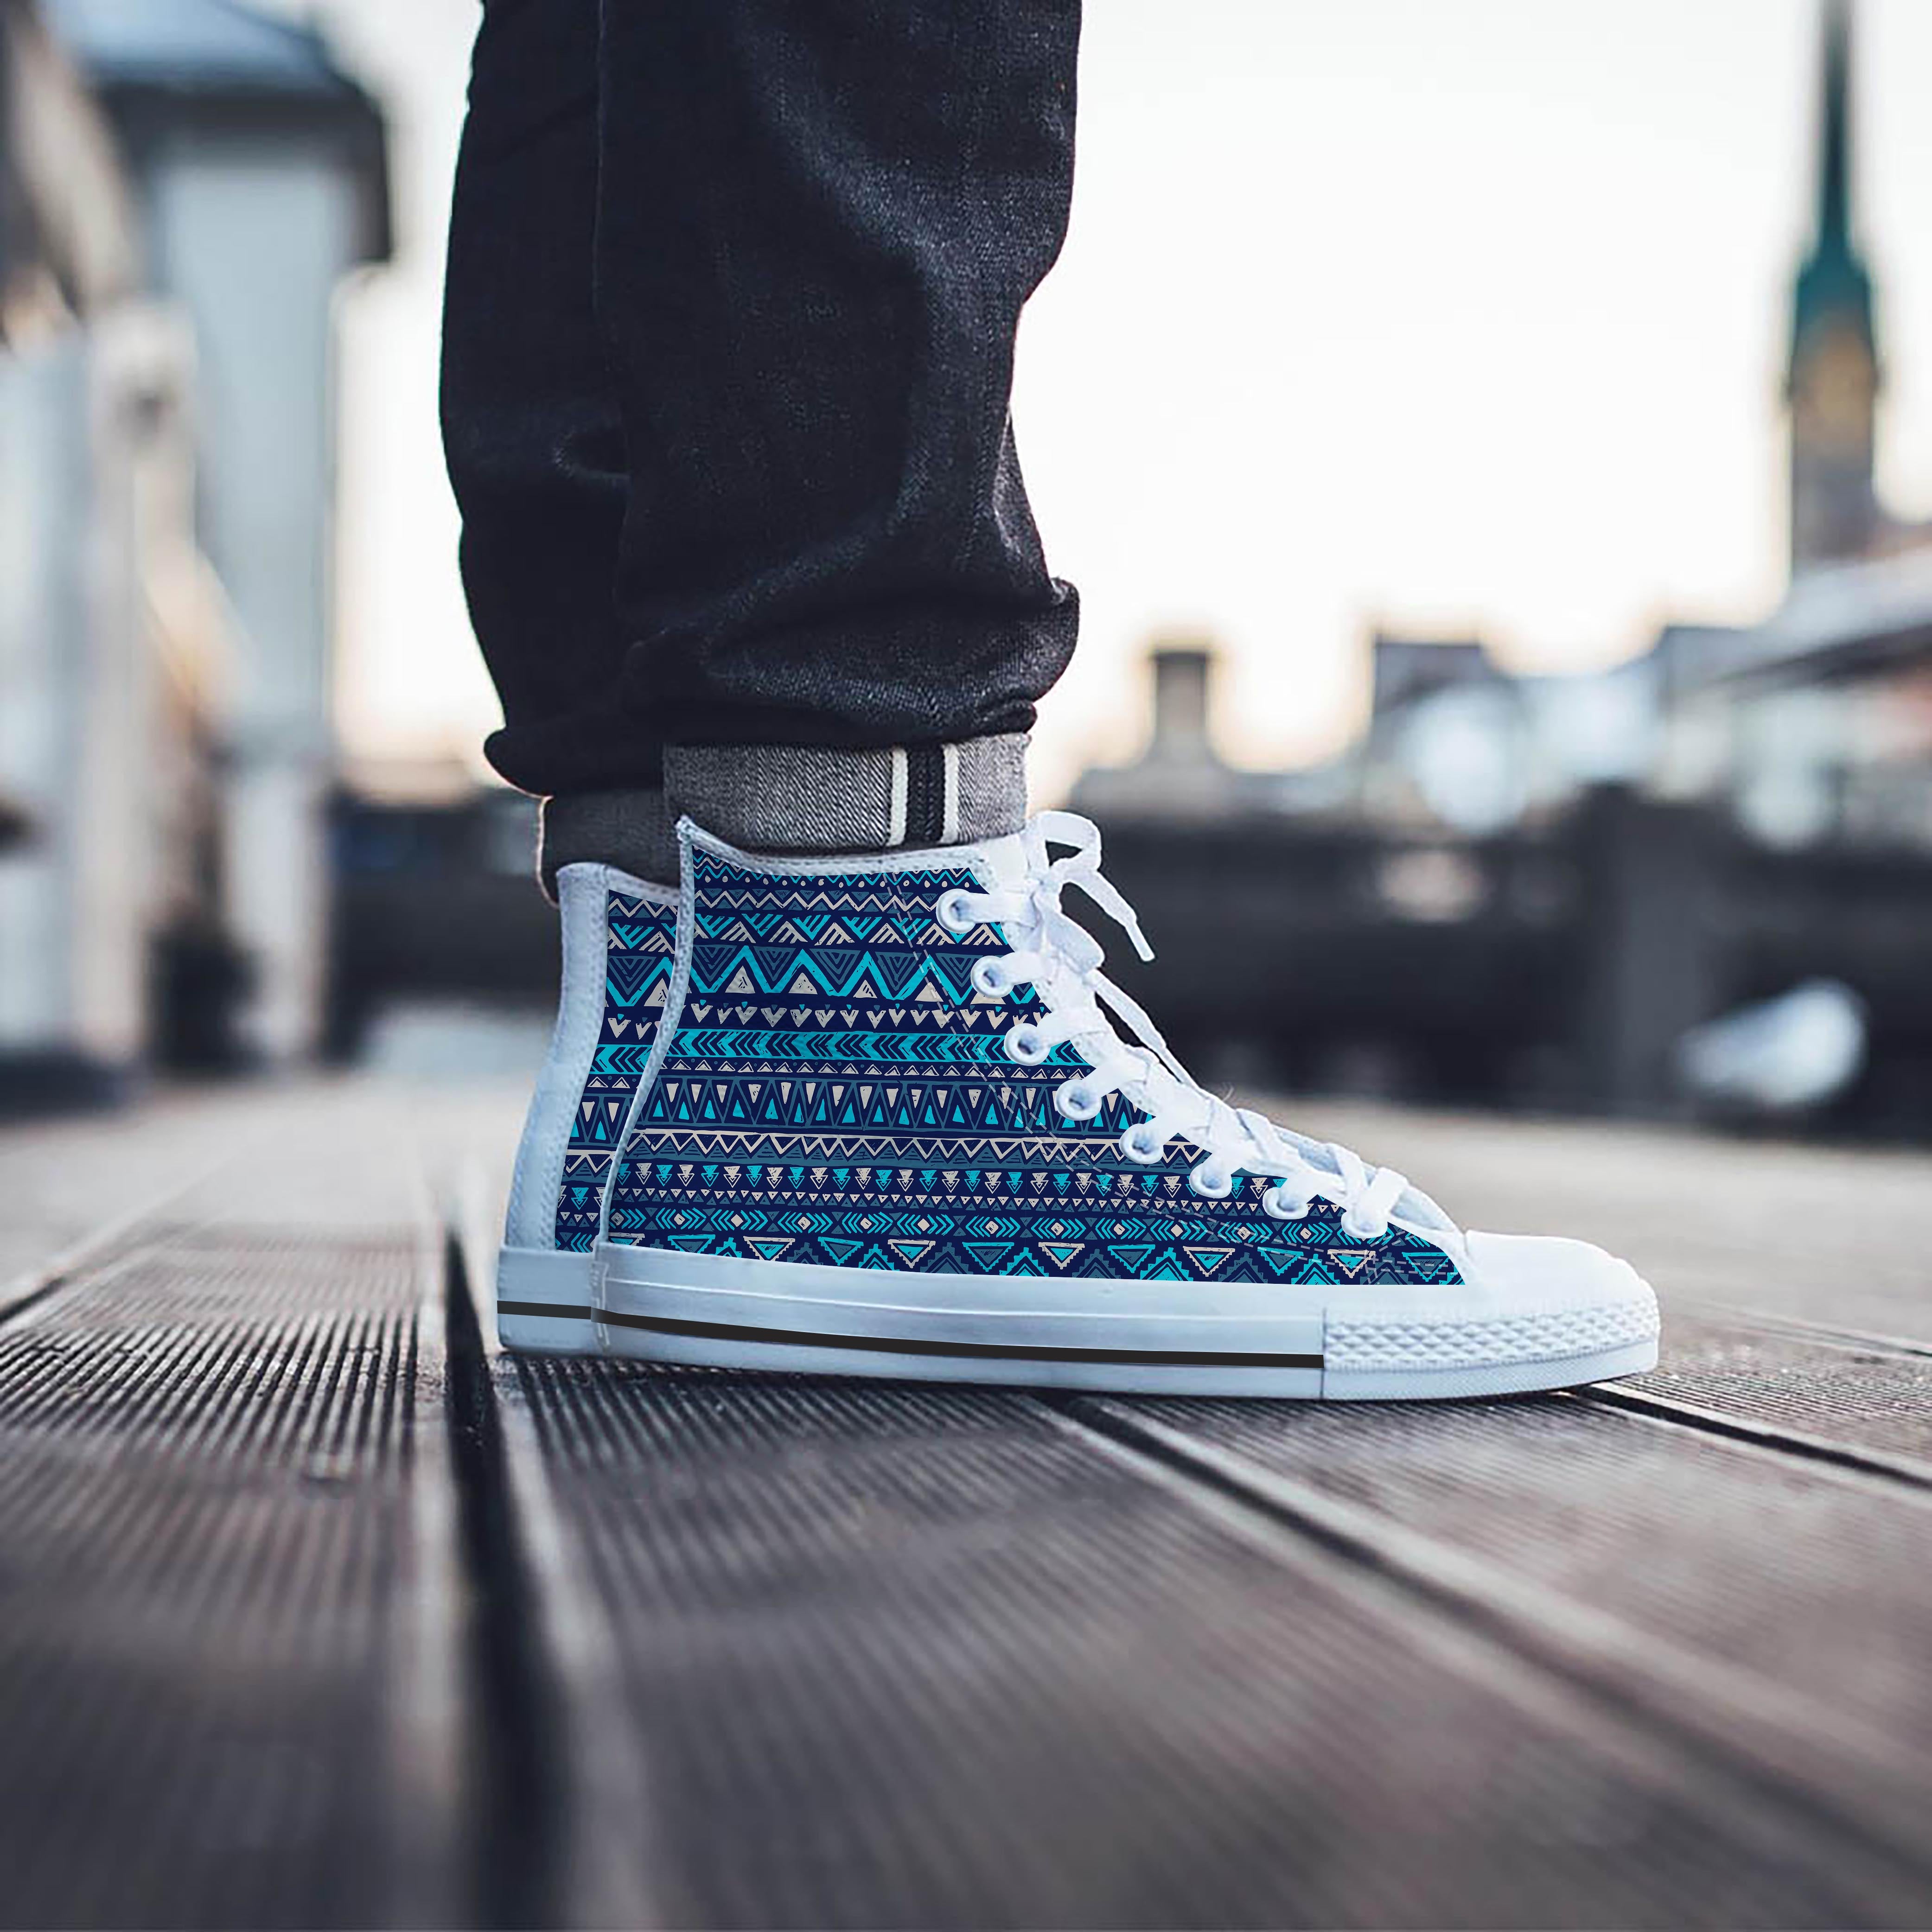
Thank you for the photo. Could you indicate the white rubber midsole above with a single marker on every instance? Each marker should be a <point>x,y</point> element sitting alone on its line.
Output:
<point>544,1302</point>
<point>1230,1338</point>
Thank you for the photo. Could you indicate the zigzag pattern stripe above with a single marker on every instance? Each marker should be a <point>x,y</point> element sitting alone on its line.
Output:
<point>639,949</point>
<point>837,1093</point>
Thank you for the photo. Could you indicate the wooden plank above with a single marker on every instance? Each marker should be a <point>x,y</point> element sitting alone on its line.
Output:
<point>69,1188</point>
<point>1772,1602</point>
<point>880,1653</point>
<point>1857,1403</point>
<point>227,1599</point>
<point>1841,1388</point>
<point>945,1657</point>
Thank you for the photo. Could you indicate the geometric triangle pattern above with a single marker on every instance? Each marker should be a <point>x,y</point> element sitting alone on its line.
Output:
<point>641,943</point>
<point>835,1091</point>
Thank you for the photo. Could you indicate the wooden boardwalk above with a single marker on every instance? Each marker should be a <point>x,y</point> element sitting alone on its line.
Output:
<point>314,1610</point>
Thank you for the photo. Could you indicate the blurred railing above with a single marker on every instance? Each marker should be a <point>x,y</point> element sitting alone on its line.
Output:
<point>1554,969</point>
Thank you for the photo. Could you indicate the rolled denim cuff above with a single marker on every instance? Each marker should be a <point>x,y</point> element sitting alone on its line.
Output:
<point>810,798</point>
<point>635,831</point>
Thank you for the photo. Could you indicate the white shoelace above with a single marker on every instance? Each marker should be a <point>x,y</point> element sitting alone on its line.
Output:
<point>1061,961</point>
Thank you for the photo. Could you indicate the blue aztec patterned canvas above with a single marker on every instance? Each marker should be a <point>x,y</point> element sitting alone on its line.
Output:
<point>836,1092</point>
<point>641,944</point>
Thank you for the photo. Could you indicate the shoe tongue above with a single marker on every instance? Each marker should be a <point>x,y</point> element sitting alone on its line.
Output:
<point>1412,1205</point>
<point>1005,859</point>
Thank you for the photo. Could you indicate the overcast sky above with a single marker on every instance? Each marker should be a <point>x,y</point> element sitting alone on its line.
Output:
<point>1462,315</point>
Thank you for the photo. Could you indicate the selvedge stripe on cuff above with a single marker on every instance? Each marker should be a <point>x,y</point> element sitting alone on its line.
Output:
<point>925,795</point>
<point>817,799</point>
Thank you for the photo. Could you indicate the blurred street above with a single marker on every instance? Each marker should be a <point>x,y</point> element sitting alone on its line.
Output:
<point>1683,877</point>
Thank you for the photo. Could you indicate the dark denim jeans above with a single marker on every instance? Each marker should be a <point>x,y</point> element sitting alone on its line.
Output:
<point>732,295</point>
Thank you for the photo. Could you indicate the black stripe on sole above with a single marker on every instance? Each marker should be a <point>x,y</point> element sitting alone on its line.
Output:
<point>900,1345</point>
<point>554,1310</point>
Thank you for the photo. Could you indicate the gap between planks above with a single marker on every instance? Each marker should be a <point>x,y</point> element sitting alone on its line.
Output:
<point>1732,1720</point>
<point>1907,1478</point>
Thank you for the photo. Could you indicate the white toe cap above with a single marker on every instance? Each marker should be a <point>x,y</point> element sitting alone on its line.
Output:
<point>1548,1271</point>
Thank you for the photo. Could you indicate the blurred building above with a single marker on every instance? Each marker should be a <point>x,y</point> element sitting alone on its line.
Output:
<point>1180,775</point>
<point>1531,888</point>
<point>183,185</point>
<point>1815,723</point>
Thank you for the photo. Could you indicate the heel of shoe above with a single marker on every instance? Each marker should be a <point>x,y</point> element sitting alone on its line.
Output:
<point>543,1302</point>
<point>538,1182</point>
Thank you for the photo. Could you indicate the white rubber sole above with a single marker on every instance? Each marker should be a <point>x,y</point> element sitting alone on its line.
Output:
<point>1235,1339</point>
<point>544,1303</point>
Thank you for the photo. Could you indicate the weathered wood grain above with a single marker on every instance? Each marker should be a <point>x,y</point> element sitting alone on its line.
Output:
<point>304,1618</point>
<point>226,1609</point>
<point>70,1187</point>
<point>1811,1383</point>
<point>945,1657</point>
<point>1788,1596</point>
<point>694,1497</point>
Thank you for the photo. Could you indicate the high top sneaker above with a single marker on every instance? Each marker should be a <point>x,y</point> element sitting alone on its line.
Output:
<point>894,1132</point>
<point>619,937</point>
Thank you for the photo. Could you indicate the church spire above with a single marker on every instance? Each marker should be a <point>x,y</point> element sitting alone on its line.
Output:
<point>1832,382</point>
<point>1833,286</point>
<point>1835,133</point>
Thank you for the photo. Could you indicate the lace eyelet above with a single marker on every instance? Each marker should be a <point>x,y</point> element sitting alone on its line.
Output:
<point>1074,1102</point>
<point>989,977</point>
<point>1137,1145</point>
<point>1025,1045</point>
<point>952,914</point>
<point>1356,1231</point>
<point>1277,1207</point>
<point>1199,1182</point>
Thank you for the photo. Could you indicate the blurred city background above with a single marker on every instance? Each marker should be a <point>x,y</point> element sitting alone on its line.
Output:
<point>1490,440</point>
